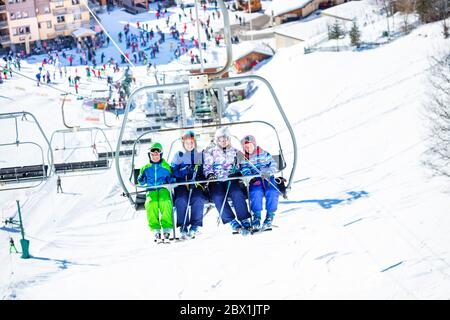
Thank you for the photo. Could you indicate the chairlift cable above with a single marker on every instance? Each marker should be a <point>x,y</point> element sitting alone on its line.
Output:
<point>46,84</point>
<point>202,69</point>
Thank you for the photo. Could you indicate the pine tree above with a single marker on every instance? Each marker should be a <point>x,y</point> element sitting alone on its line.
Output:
<point>335,32</point>
<point>355,35</point>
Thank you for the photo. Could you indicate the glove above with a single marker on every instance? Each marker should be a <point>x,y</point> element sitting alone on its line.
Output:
<point>255,181</point>
<point>235,174</point>
<point>211,176</point>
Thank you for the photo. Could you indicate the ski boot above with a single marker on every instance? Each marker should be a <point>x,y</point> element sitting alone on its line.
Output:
<point>157,236</point>
<point>184,233</point>
<point>166,235</point>
<point>193,231</point>
<point>246,227</point>
<point>235,226</point>
<point>256,223</point>
<point>267,225</point>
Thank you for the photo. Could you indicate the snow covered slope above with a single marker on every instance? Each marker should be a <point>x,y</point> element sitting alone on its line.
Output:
<point>363,219</point>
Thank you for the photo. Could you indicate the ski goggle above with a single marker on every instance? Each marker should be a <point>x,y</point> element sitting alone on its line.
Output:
<point>223,139</point>
<point>155,150</point>
<point>188,136</point>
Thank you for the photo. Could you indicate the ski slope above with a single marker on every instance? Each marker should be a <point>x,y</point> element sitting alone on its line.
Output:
<point>364,220</point>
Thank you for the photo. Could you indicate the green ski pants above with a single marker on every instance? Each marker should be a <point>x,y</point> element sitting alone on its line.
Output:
<point>159,200</point>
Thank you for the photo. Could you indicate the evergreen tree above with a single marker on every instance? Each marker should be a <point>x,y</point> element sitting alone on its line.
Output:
<point>355,35</point>
<point>335,31</point>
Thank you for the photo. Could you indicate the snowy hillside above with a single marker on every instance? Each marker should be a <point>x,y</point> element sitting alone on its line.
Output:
<point>363,220</point>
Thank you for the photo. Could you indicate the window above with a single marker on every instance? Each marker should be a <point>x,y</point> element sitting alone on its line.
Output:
<point>25,14</point>
<point>59,4</point>
<point>12,16</point>
<point>60,19</point>
<point>39,25</point>
<point>46,10</point>
<point>10,1</point>
<point>49,24</point>
<point>76,16</point>
<point>74,2</point>
<point>18,15</point>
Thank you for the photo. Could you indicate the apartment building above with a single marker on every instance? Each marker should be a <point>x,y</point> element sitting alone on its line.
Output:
<point>4,31</point>
<point>25,24</point>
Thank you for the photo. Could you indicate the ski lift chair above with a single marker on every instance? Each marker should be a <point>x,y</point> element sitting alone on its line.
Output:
<point>29,175</point>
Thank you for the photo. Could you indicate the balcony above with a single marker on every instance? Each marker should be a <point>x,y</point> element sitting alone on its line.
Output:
<point>5,39</point>
<point>70,26</point>
<point>62,11</point>
<point>3,24</point>
<point>2,8</point>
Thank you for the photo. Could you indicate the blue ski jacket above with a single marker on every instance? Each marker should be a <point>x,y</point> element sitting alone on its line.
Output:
<point>186,164</point>
<point>155,173</point>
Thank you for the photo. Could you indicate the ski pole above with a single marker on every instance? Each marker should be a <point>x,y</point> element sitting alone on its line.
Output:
<point>223,203</point>
<point>189,199</point>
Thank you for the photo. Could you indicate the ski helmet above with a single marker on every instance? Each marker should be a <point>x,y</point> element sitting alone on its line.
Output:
<point>222,132</point>
<point>188,135</point>
<point>155,145</point>
<point>248,139</point>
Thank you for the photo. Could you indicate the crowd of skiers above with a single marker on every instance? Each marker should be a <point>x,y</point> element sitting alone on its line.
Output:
<point>221,166</point>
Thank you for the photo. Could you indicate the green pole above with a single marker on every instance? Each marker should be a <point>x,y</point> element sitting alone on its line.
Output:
<point>23,242</point>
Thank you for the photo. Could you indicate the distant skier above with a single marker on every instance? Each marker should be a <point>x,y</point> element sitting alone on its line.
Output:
<point>58,185</point>
<point>12,246</point>
<point>155,173</point>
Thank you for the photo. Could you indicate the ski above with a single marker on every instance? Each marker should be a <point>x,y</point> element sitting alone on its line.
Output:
<point>261,230</point>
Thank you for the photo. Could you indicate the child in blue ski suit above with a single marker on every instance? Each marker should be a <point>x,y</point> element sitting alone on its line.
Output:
<point>155,173</point>
<point>187,166</point>
<point>257,161</point>
<point>221,163</point>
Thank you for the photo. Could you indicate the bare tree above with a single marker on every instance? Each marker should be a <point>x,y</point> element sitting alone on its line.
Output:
<point>438,114</point>
<point>406,7</point>
<point>388,6</point>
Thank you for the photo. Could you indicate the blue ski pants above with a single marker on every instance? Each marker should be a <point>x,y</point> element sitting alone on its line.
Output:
<point>197,202</point>
<point>218,190</point>
<point>260,189</point>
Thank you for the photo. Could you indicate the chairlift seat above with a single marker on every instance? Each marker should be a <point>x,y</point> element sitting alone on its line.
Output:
<point>122,153</point>
<point>24,173</point>
<point>148,128</point>
<point>81,166</point>
<point>156,115</point>
<point>129,142</point>
<point>167,119</point>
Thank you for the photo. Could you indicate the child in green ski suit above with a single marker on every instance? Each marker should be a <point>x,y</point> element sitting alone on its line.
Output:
<point>155,173</point>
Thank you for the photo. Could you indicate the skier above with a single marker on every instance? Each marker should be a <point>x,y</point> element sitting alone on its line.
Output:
<point>155,173</point>
<point>12,246</point>
<point>187,166</point>
<point>221,163</point>
<point>257,161</point>
<point>58,185</point>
